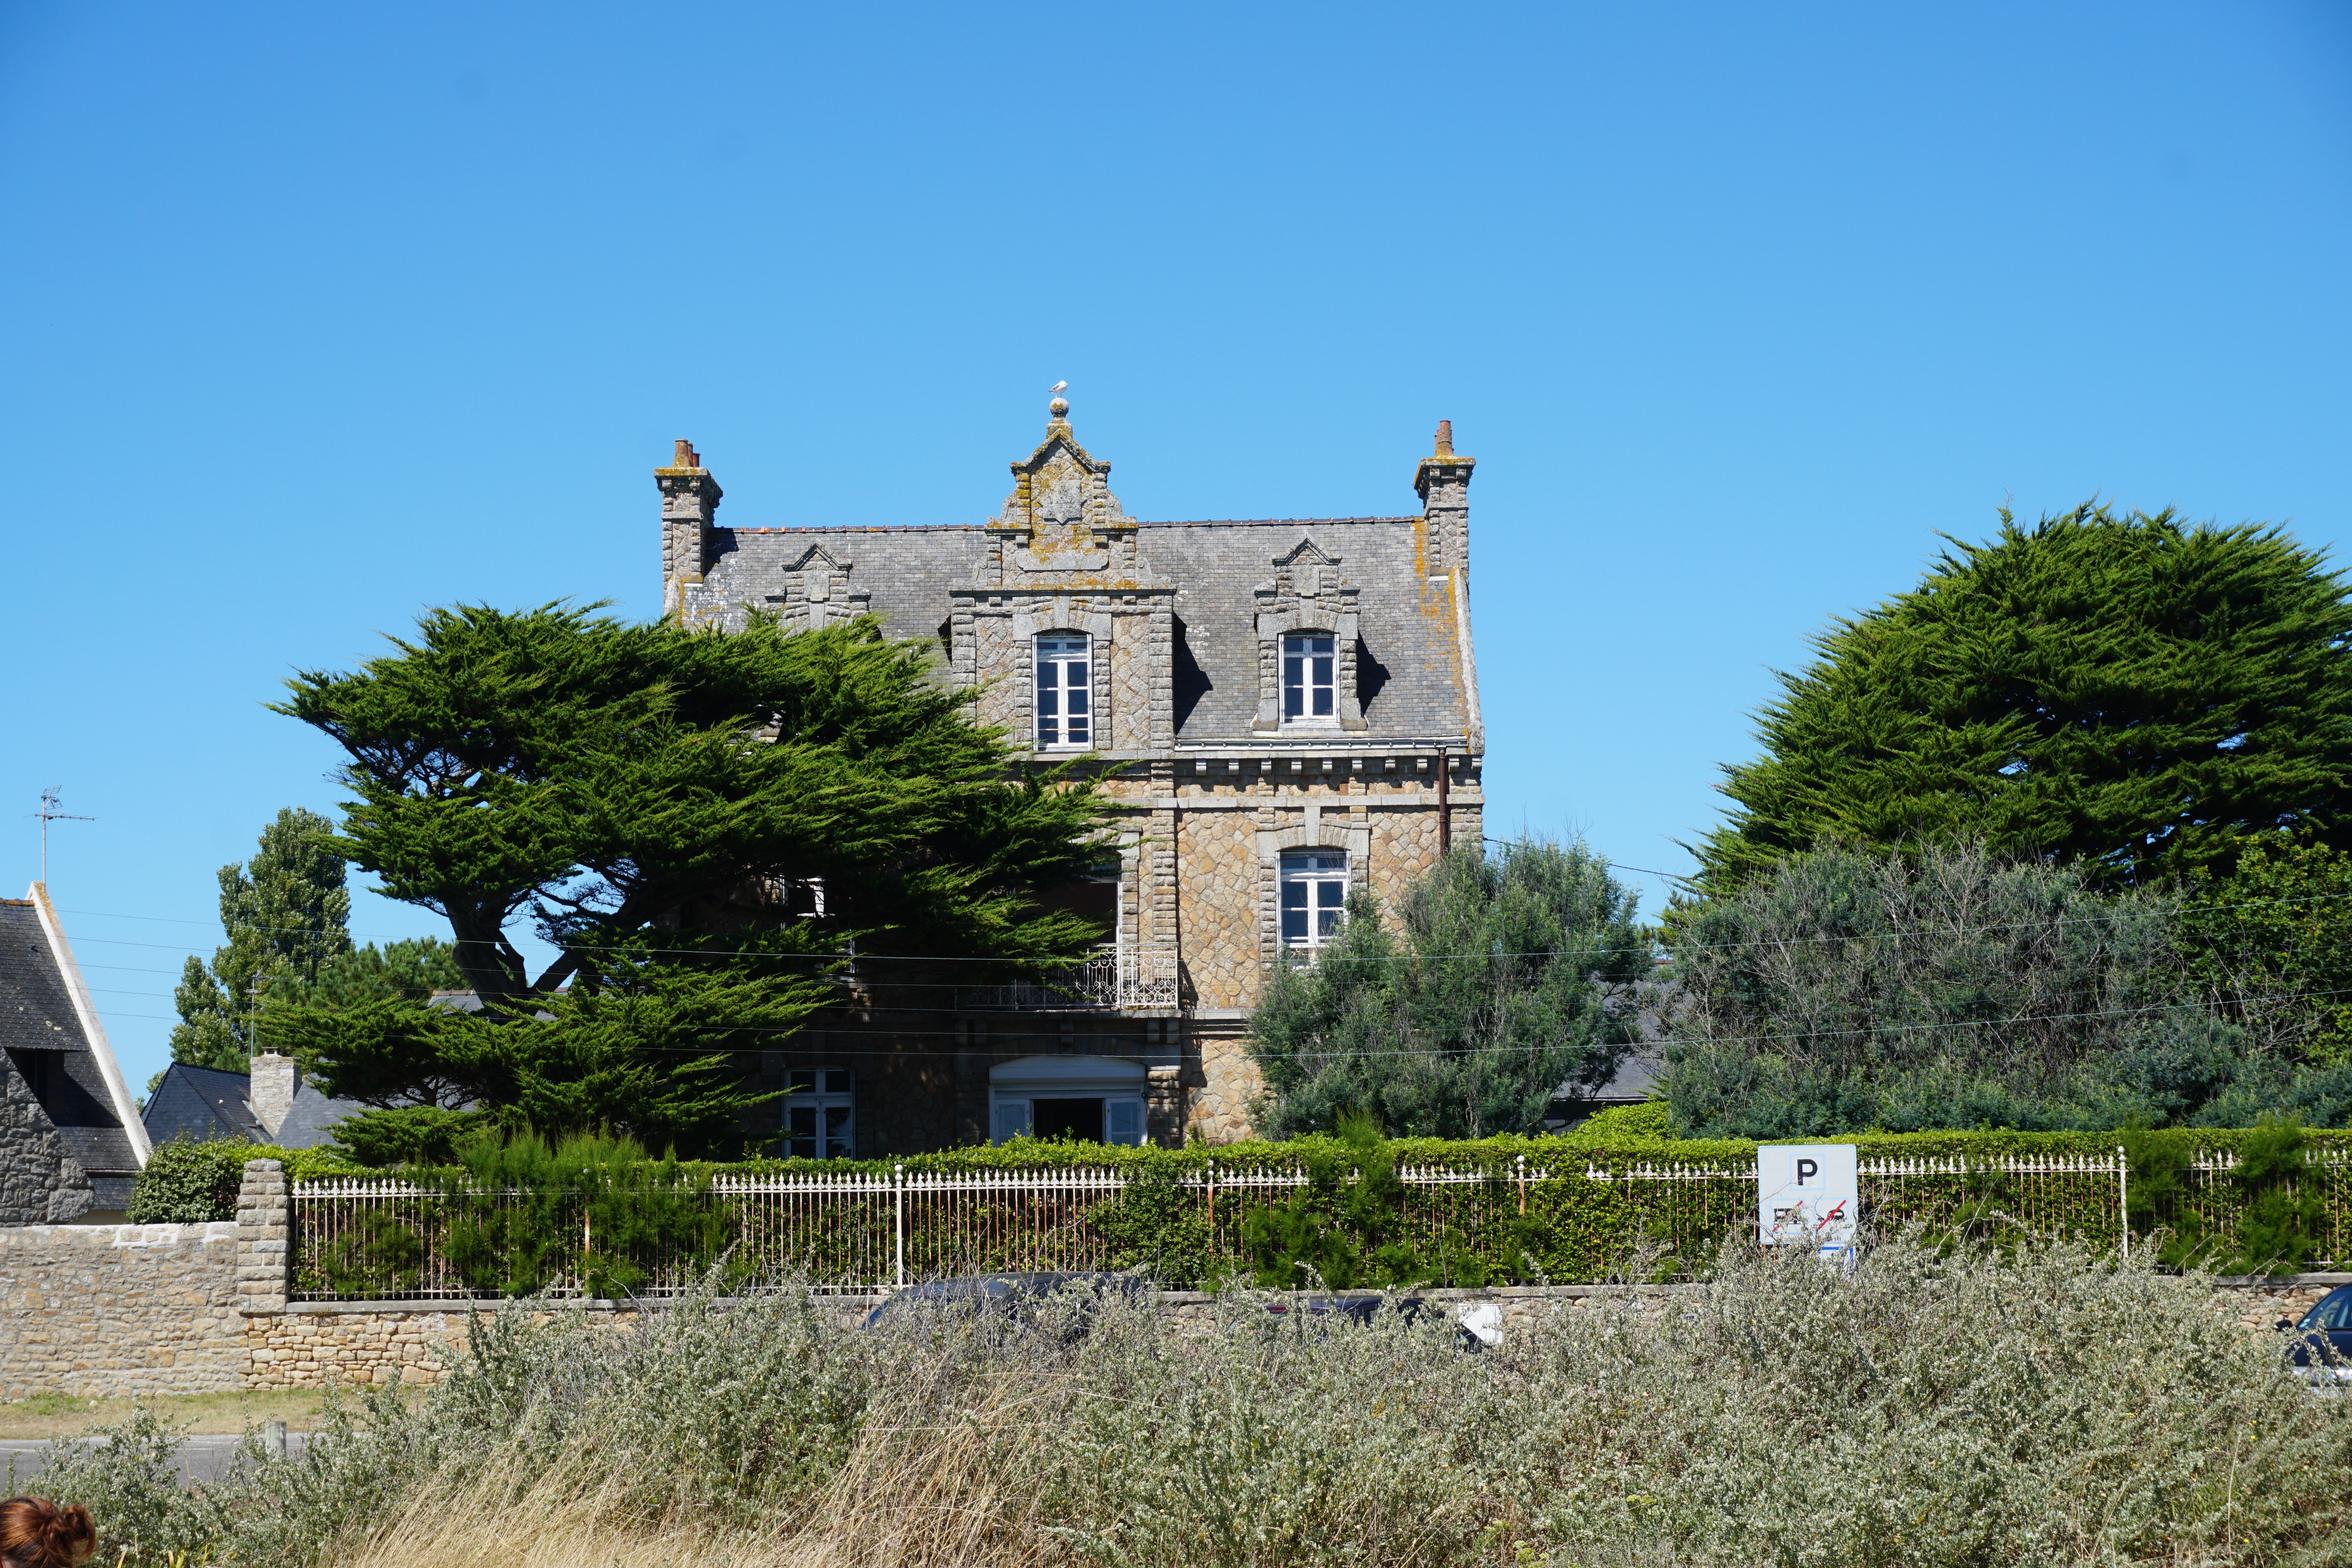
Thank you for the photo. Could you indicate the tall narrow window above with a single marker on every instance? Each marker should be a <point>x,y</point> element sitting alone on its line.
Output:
<point>819,1114</point>
<point>1308,686</point>
<point>1064,696</point>
<point>1314,896</point>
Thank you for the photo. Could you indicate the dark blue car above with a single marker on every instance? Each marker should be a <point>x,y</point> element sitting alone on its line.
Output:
<point>2323,1338</point>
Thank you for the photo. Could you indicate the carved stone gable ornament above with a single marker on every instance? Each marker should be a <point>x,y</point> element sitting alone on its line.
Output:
<point>817,589</point>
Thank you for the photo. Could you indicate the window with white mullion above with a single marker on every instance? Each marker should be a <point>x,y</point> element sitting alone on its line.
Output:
<point>1314,898</point>
<point>1309,676</point>
<point>1065,695</point>
<point>819,1114</point>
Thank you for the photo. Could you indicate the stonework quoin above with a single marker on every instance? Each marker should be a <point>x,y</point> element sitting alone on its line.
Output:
<point>264,1215</point>
<point>1180,629</point>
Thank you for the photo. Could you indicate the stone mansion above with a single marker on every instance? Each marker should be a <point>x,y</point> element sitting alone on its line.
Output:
<point>1282,710</point>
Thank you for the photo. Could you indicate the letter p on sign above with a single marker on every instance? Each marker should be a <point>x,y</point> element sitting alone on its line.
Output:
<point>1807,1195</point>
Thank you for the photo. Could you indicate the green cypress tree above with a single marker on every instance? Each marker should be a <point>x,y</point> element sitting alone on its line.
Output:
<point>654,800</point>
<point>286,913</point>
<point>2128,692</point>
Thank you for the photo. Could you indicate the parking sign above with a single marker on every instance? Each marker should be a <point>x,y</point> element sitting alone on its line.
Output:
<point>1806,1195</point>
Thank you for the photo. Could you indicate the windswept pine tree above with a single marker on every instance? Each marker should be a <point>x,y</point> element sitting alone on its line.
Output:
<point>663,806</point>
<point>2128,693</point>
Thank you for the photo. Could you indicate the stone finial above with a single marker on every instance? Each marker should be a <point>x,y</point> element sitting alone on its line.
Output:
<point>1444,438</point>
<point>1059,408</point>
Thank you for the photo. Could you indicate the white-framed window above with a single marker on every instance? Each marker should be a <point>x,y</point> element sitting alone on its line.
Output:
<point>1065,689</point>
<point>1309,688</point>
<point>1314,896</point>
<point>1094,1099</point>
<point>819,1114</point>
<point>1088,1118</point>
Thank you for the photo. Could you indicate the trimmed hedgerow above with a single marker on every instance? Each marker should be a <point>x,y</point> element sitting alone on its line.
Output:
<point>1573,1207</point>
<point>188,1182</point>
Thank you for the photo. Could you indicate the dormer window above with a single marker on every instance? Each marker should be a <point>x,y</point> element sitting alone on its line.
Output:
<point>1064,692</point>
<point>1309,688</point>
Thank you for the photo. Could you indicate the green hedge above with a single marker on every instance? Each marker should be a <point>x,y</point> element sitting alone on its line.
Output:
<point>1555,1225</point>
<point>185,1182</point>
<point>1606,1149</point>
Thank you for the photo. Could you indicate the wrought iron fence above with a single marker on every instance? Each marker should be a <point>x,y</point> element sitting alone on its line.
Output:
<point>862,1233</point>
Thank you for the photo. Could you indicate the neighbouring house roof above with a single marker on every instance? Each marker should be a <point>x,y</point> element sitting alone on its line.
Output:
<point>311,1121</point>
<point>58,1058</point>
<point>44,1006</point>
<point>201,1103</point>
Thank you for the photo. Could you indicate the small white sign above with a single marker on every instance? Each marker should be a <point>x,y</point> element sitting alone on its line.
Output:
<point>1807,1195</point>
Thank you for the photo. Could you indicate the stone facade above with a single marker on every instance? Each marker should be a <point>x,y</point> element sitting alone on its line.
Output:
<point>1214,778</point>
<point>41,1181</point>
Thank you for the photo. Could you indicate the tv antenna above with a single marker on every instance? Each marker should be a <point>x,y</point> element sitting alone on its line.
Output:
<point>49,813</point>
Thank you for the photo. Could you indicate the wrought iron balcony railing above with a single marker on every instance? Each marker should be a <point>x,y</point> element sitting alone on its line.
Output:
<point>1108,981</point>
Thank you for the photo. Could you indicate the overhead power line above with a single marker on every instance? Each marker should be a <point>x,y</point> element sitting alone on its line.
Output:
<point>1395,958</point>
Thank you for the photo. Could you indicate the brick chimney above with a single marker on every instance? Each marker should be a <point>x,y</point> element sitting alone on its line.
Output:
<point>271,1092</point>
<point>689,503</point>
<point>1443,482</point>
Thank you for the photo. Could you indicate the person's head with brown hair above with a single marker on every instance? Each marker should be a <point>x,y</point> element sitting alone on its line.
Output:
<point>38,1533</point>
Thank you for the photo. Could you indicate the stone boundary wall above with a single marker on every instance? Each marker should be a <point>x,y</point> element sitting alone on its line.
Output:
<point>100,1309</point>
<point>196,1308</point>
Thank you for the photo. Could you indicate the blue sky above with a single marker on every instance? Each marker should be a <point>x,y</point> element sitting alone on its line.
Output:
<point>319,315</point>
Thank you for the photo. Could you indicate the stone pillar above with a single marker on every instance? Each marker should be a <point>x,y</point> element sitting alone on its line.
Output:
<point>264,1215</point>
<point>271,1089</point>
<point>689,503</point>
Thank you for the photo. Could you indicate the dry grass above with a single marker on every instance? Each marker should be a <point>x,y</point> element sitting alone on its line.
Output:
<point>66,1416</point>
<point>2048,1409</point>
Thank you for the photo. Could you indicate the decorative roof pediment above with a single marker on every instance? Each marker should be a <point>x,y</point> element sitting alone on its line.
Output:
<point>818,558</point>
<point>1306,572</point>
<point>1061,523</point>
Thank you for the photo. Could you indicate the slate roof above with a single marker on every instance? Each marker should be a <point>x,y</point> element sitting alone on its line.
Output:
<point>1409,670</point>
<point>36,1013</point>
<point>200,1104</point>
<point>312,1119</point>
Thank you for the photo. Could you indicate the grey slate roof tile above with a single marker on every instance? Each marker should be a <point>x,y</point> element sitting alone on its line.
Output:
<point>1409,669</point>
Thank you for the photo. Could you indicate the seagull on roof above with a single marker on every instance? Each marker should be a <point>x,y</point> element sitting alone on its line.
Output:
<point>1058,386</point>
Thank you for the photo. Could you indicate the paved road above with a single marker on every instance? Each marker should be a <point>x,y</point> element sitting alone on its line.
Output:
<point>198,1458</point>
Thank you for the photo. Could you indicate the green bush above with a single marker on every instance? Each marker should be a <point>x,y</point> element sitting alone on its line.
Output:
<point>187,1182</point>
<point>1649,1119</point>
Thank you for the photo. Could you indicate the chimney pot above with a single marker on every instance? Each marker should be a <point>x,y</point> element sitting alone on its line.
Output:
<point>1445,438</point>
<point>683,456</point>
